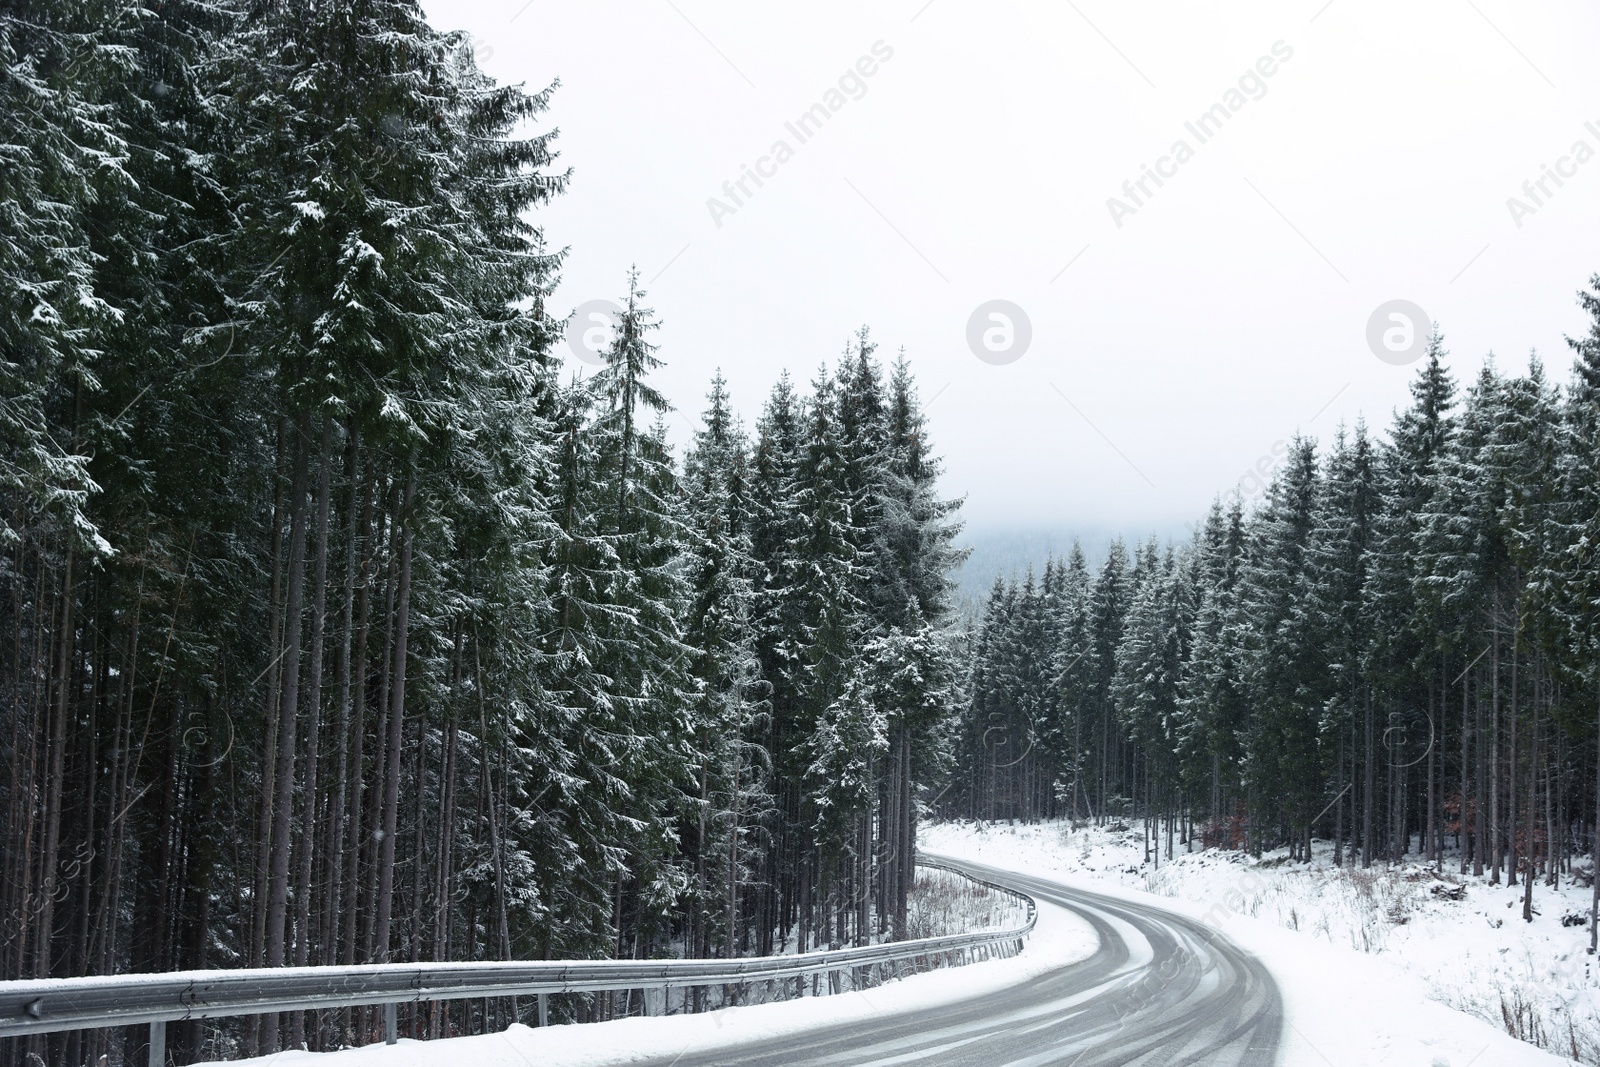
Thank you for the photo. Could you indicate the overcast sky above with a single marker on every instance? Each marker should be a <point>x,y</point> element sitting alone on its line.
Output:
<point>1362,153</point>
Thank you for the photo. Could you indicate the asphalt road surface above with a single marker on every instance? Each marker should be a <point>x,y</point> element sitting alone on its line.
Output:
<point>1162,989</point>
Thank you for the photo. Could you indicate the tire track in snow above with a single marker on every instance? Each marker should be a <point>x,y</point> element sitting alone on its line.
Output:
<point>1162,989</point>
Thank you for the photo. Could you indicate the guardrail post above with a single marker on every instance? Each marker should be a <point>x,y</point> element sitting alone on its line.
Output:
<point>391,1023</point>
<point>158,1044</point>
<point>544,1009</point>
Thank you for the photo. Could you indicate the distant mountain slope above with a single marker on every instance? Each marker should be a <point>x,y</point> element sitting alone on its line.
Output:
<point>1005,551</point>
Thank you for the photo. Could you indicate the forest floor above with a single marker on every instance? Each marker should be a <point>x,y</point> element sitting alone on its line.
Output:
<point>1535,981</point>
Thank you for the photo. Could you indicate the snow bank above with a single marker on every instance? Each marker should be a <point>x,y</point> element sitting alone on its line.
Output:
<point>1370,969</point>
<point>1059,939</point>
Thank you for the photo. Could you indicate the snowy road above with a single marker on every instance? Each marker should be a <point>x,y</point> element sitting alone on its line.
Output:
<point>1162,989</point>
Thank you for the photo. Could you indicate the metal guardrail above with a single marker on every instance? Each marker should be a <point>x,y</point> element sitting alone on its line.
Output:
<point>57,1004</point>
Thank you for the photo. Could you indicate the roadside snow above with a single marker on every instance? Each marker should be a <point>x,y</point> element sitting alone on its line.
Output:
<point>1371,964</point>
<point>1059,939</point>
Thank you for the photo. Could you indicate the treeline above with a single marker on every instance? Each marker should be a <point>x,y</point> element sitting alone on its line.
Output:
<point>338,624</point>
<point>1396,648</point>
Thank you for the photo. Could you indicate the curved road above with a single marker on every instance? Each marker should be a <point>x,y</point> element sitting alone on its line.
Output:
<point>1162,990</point>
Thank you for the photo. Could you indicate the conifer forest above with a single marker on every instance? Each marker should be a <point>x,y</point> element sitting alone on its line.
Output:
<point>343,626</point>
<point>1393,648</point>
<point>343,619</point>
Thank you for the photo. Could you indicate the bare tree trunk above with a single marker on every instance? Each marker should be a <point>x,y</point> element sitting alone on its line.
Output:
<point>1533,807</point>
<point>1554,798</point>
<point>419,838</point>
<point>491,800</point>
<point>1511,759</point>
<point>57,747</point>
<point>312,791</point>
<point>908,840</point>
<point>99,660</point>
<point>1463,840</point>
<point>1496,845</point>
<point>334,915</point>
<point>118,800</point>
<point>269,756</point>
<point>899,827</point>
<point>445,886</point>
<point>198,933</point>
<point>1338,806</point>
<point>730,946</point>
<point>1594,899</point>
<point>1480,828</point>
<point>1368,787</point>
<point>391,794</point>
<point>288,721</point>
<point>369,911</point>
<point>1430,848</point>
<point>358,716</point>
<point>699,940</point>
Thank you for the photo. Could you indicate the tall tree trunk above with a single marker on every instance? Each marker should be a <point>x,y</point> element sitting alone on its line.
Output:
<point>1430,850</point>
<point>57,748</point>
<point>1463,840</point>
<point>731,916</point>
<point>1533,807</point>
<point>358,717</point>
<point>269,747</point>
<point>397,710</point>
<point>288,721</point>
<point>491,800</point>
<point>1511,758</point>
<point>1338,806</point>
<point>312,792</point>
<point>1496,844</point>
<point>1480,824</point>
<point>1368,787</point>
<point>1594,845</point>
<point>334,913</point>
<point>380,770</point>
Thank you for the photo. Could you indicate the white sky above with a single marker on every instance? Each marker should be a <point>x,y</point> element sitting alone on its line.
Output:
<point>1228,312</point>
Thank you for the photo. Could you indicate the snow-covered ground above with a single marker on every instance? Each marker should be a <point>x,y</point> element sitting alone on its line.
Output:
<point>1370,962</point>
<point>1059,939</point>
<point>1375,967</point>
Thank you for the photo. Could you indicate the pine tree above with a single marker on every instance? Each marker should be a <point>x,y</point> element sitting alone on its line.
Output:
<point>734,805</point>
<point>1145,686</point>
<point>1108,606</point>
<point>1212,703</point>
<point>916,550</point>
<point>1073,684</point>
<point>1340,559</point>
<point>1281,660</point>
<point>62,143</point>
<point>1579,592</point>
<point>646,660</point>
